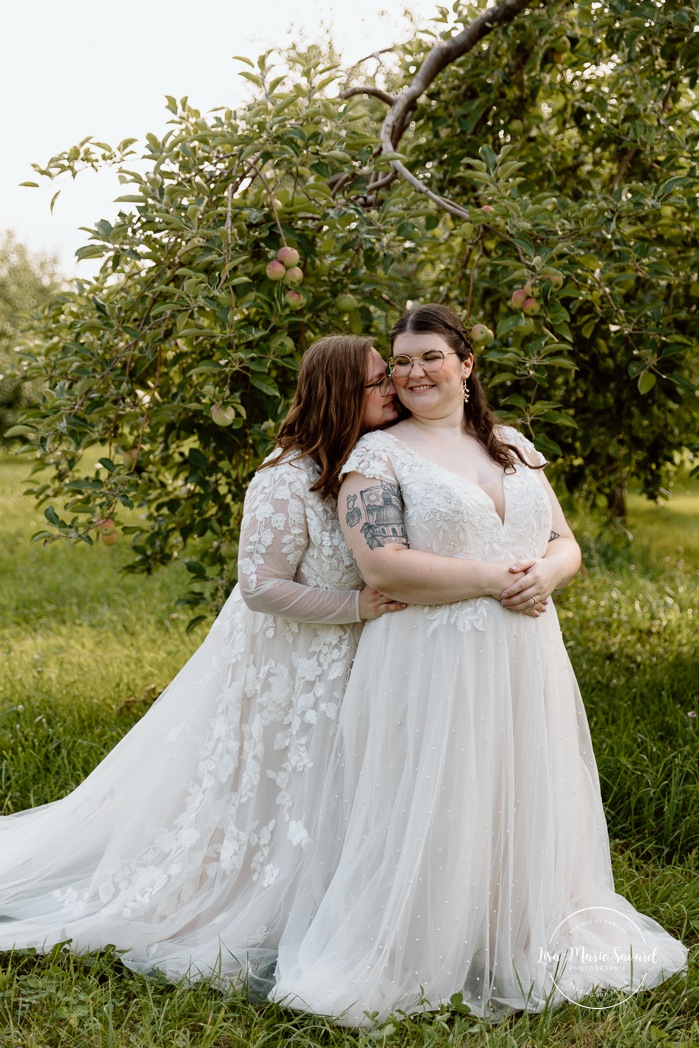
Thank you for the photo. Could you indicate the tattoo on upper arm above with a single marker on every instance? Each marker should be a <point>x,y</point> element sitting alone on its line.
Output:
<point>554,535</point>
<point>354,515</point>
<point>383,509</point>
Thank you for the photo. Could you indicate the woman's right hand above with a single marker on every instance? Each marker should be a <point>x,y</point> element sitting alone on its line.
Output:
<point>372,603</point>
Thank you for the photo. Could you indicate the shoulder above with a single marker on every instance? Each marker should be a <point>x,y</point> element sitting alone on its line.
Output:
<point>372,456</point>
<point>512,436</point>
<point>284,479</point>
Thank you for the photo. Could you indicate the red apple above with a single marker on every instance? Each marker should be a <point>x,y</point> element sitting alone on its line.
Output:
<point>288,256</point>
<point>275,270</point>
<point>488,208</point>
<point>294,299</point>
<point>108,531</point>
<point>519,297</point>
<point>554,276</point>
<point>293,275</point>
<point>530,307</point>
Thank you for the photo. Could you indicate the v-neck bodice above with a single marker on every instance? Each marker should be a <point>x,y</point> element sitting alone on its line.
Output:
<point>447,514</point>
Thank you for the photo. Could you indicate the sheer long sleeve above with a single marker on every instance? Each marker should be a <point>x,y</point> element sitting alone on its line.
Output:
<point>274,539</point>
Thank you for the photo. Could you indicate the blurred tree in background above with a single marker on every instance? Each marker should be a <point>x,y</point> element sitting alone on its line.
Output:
<point>541,150</point>
<point>26,284</point>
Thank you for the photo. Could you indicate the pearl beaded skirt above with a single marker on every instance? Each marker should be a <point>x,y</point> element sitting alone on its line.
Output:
<point>462,847</point>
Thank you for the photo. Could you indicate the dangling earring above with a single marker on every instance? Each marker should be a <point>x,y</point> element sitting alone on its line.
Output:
<point>466,391</point>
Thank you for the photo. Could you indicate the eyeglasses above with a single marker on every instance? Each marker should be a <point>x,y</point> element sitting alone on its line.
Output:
<point>382,386</point>
<point>430,361</point>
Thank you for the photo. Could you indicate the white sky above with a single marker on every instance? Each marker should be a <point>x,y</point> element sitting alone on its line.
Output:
<point>72,68</point>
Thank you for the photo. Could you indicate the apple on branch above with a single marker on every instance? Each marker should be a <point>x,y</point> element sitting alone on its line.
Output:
<point>288,256</point>
<point>275,270</point>
<point>222,416</point>
<point>481,335</point>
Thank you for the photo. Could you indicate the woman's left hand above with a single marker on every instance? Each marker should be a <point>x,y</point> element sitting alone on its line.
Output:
<point>536,582</point>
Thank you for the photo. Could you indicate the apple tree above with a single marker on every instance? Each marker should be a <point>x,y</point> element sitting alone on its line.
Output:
<point>570,138</point>
<point>529,163</point>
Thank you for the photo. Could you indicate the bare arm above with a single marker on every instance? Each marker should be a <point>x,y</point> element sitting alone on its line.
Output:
<point>371,516</point>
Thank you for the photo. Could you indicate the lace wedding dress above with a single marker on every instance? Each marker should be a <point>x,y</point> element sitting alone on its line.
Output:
<point>462,847</point>
<point>185,846</point>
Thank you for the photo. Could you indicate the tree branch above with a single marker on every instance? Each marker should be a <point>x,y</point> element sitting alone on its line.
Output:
<point>367,89</point>
<point>441,55</point>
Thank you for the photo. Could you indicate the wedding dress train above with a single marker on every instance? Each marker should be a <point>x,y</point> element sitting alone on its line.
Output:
<point>186,845</point>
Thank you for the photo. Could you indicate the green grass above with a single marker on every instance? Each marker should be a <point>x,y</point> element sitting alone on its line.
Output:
<point>85,648</point>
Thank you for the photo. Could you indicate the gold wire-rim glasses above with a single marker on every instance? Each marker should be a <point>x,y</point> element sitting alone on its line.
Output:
<point>430,361</point>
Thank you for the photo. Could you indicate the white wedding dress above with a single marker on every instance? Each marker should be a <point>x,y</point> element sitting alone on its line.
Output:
<point>185,847</point>
<point>462,847</point>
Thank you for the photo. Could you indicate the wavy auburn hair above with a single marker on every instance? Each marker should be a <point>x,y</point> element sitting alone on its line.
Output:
<point>325,419</point>
<point>479,418</point>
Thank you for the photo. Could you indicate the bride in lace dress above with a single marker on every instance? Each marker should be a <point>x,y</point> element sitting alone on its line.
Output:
<point>462,847</point>
<point>185,846</point>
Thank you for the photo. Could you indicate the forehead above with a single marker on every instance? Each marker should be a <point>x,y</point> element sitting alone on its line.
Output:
<point>412,342</point>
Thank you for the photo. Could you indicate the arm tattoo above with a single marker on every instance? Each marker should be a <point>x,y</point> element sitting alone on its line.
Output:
<point>354,515</point>
<point>383,510</point>
<point>554,535</point>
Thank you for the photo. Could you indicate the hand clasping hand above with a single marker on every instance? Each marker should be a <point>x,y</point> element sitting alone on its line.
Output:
<point>530,592</point>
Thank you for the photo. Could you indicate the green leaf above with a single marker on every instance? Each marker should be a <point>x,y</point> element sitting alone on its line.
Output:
<point>646,381</point>
<point>52,516</point>
<point>265,385</point>
<point>196,568</point>
<point>193,623</point>
<point>19,431</point>
<point>90,251</point>
<point>547,446</point>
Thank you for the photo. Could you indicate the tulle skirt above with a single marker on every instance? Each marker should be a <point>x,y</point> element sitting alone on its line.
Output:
<point>462,845</point>
<point>185,847</point>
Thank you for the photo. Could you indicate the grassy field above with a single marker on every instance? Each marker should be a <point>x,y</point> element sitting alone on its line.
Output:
<point>85,648</point>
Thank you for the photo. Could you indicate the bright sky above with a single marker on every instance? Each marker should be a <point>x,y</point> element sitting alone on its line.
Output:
<point>72,68</point>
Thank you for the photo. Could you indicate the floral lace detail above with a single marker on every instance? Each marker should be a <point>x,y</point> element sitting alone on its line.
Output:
<point>259,707</point>
<point>447,514</point>
<point>466,615</point>
<point>452,517</point>
<point>309,524</point>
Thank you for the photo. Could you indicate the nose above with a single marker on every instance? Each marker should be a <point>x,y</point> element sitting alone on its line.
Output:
<point>413,362</point>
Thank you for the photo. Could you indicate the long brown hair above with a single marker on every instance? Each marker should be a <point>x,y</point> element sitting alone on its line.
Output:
<point>325,419</point>
<point>479,418</point>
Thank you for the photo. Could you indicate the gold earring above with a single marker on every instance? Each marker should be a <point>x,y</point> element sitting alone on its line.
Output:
<point>466,391</point>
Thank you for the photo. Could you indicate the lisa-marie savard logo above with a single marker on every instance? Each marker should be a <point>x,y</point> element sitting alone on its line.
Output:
<point>598,948</point>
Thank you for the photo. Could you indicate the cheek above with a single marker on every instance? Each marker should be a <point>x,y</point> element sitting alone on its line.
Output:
<point>370,416</point>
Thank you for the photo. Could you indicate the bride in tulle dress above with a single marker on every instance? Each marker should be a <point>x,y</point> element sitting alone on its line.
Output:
<point>185,846</point>
<point>462,846</point>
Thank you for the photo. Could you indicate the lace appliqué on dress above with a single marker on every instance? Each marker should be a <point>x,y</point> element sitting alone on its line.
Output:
<point>466,615</point>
